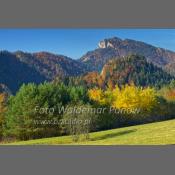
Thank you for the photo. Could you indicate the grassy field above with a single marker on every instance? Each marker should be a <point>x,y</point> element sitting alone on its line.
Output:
<point>160,133</point>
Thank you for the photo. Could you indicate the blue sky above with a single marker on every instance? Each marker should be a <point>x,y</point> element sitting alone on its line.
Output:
<point>76,42</point>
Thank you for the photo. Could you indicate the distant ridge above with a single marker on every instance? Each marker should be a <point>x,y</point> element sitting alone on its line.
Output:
<point>20,67</point>
<point>127,70</point>
<point>116,47</point>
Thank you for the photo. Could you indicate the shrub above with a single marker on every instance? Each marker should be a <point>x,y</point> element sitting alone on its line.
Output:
<point>79,120</point>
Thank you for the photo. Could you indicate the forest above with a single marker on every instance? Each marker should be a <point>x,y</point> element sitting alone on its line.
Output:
<point>92,102</point>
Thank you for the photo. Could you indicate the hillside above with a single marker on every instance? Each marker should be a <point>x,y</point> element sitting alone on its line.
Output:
<point>19,67</point>
<point>126,70</point>
<point>51,65</point>
<point>116,47</point>
<point>170,68</point>
<point>160,133</point>
<point>13,72</point>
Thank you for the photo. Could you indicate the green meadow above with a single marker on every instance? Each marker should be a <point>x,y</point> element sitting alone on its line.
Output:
<point>159,133</point>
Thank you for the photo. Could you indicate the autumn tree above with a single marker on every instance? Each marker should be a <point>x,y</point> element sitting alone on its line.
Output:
<point>127,98</point>
<point>168,92</point>
<point>2,112</point>
<point>132,98</point>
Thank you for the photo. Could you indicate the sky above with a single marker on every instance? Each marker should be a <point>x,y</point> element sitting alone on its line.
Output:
<point>76,42</point>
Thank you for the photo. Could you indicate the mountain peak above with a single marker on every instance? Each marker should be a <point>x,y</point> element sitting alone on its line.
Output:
<point>111,42</point>
<point>4,89</point>
<point>116,47</point>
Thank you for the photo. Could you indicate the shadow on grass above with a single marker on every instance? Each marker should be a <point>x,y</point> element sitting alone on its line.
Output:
<point>112,135</point>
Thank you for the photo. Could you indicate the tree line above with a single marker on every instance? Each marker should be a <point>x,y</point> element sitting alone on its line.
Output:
<point>34,112</point>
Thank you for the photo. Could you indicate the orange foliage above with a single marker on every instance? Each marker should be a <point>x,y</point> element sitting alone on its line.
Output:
<point>171,95</point>
<point>93,79</point>
<point>2,103</point>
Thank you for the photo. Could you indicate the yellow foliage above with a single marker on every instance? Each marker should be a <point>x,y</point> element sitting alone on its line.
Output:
<point>2,100</point>
<point>128,97</point>
<point>2,106</point>
<point>96,95</point>
<point>132,97</point>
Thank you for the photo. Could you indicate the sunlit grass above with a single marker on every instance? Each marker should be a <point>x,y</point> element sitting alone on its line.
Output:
<point>160,133</point>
